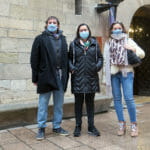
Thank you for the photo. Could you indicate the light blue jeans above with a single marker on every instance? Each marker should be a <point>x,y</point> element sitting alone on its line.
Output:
<point>58,99</point>
<point>127,86</point>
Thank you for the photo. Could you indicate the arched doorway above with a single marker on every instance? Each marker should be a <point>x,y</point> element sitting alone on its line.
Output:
<point>140,32</point>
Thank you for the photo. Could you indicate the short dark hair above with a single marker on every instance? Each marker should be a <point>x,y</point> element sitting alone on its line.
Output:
<point>77,33</point>
<point>114,23</point>
<point>51,17</point>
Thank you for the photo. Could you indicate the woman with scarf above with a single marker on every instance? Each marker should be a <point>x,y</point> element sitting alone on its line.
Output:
<point>120,73</point>
<point>85,60</point>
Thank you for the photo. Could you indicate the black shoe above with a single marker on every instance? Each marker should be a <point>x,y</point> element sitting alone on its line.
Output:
<point>61,131</point>
<point>40,134</point>
<point>93,131</point>
<point>77,131</point>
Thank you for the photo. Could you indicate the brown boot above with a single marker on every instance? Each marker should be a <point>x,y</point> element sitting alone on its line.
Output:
<point>122,128</point>
<point>134,130</point>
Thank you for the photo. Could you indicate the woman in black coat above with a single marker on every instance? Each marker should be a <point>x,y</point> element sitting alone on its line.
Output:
<point>85,60</point>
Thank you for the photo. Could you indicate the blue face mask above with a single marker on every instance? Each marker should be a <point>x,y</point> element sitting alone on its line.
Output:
<point>84,34</point>
<point>117,31</point>
<point>52,27</point>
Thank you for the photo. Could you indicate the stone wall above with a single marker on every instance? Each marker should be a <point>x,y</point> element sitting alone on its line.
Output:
<point>127,9</point>
<point>20,22</point>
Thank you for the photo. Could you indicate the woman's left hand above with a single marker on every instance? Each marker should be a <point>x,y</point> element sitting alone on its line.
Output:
<point>130,48</point>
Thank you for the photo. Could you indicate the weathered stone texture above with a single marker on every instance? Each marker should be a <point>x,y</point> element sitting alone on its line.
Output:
<point>15,71</point>
<point>18,85</point>
<point>20,22</point>
<point>7,22</point>
<point>24,58</point>
<point>8,58</point>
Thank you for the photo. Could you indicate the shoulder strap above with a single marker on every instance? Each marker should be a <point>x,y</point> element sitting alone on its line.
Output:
<point>73,53</point>
<point>96,51</point>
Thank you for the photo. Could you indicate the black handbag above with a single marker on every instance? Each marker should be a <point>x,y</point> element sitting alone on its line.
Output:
<point>133,59</point>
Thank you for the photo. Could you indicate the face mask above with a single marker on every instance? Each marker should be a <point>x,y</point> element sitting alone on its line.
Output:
<point>52,27</point>
<point>84,34</point>
<point>119,36</point>
<point>117,31</point>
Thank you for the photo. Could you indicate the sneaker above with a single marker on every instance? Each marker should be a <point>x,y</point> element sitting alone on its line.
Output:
<point>40,134</point>
<point>134,130</point>
<point>77,131</point>
<point>60,131</point>
<point>122,128</point>
<point>93,131</point>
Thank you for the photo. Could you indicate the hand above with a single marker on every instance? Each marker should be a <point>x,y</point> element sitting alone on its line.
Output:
<point>35,84</point>
<point>72,72</point>
<point>130,48</point>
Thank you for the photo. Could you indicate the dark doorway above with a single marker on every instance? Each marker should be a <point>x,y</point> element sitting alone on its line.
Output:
<point>140,32</point>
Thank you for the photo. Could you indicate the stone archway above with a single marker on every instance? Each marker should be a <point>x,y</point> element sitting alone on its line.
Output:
<point>140,32</point>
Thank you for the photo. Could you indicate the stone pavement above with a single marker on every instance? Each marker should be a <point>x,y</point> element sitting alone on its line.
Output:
<point>23,138</point>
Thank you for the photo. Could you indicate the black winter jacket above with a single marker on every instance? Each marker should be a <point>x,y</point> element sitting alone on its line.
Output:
<point>85,65</point>
<point>43,63</point>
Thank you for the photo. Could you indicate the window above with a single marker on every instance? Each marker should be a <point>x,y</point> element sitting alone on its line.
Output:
<point>78,7</point>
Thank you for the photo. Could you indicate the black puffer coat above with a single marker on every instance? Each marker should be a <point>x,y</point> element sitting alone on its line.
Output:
<point>85,66</point>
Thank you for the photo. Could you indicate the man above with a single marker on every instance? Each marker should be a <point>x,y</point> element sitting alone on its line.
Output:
<point>49,63</point>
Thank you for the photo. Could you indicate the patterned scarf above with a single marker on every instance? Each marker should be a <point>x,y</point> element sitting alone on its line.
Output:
<point>117,52</point>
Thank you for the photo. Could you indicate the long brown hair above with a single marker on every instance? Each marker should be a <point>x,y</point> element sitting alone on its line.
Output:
<point>78,34</point>
<point>114,23</point>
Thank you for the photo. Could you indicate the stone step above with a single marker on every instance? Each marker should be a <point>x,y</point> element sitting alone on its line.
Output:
<point>12,115</point>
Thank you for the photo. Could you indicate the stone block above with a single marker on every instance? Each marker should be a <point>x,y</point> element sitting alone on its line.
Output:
<point>15,71</point>
<point>18,85</point>
<point>5,84</point>
<point>63,142</point>
<point>46,4</point>
<point>18,2</point>
<point>69,7</point>
<point>24,45</point>
<point>39,25</point>
<point>16,23</point>
<point>30,86</point>
<point>24,58</point>
<point>15,146</point>
<point>8,45</point>
<point>4,9</point>
<point>45,146</point>
<point>22,34</point>
<point>8,57</point>
<point>69,30</point>
<point>3,32</point>
<point>15,45</point>
<point>6,138</point>
<point>17,96</point>
<point>26,12</point>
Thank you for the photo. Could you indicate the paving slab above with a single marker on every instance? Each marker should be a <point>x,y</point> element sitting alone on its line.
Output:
<point>16,146</point>
<point>45,145</point>
<point>23,137</point>
<point>64,142</point>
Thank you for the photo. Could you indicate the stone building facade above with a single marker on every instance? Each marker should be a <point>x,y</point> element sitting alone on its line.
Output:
<point>22,20</point>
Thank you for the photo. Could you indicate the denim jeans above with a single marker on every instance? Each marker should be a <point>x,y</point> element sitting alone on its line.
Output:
<point>58,99</point>
<point>127,86</point>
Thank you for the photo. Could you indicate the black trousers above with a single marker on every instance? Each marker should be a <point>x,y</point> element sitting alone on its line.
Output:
<point>89,101</point>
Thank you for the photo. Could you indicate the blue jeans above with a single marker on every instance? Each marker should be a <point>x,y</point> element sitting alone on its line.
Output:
<point>58,99</point>
<point>127,85</point>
